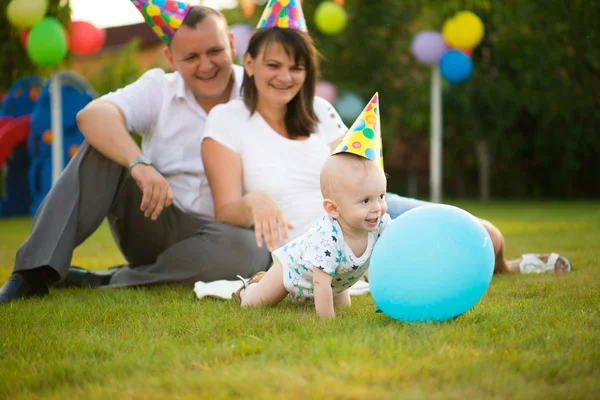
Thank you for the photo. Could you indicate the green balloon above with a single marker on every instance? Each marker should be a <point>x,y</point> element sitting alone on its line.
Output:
<point>330,18</point>
<point>47,44</point>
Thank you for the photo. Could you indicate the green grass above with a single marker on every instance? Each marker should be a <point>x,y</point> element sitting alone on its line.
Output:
<point>529,337</point>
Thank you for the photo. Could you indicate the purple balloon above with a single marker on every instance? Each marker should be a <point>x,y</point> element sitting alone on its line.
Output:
<point>241,37</point>
<point>428,47</point>
<point>327,91</point>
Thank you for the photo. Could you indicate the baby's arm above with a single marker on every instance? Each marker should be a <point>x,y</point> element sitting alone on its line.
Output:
<point>323,294</point>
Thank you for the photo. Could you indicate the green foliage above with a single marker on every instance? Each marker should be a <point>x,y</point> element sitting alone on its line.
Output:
<point>14,62</point>
<point>529,337</point>
<point>534,96</point>
<point>117,71</point>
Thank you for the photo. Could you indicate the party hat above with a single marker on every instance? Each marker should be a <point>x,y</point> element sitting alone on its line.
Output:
<point>364,136</point>
<point>163,16</point>
<point>284,14</point>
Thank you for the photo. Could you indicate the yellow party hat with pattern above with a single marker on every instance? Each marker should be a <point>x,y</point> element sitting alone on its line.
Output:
<point>283,14</point>
<point>364,136</point>
<point>163,16</point>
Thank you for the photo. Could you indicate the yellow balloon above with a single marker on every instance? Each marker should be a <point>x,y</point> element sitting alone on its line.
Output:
<point>465,30</point>
<point>26,13</point>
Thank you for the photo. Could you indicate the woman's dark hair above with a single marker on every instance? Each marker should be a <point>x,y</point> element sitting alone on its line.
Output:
<point>300,118</point>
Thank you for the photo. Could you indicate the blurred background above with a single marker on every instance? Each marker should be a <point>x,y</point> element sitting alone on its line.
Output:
<point>524,125</point>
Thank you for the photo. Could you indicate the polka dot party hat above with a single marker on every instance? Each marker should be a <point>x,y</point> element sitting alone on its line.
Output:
<point>364,136</point>
<point>163,16</point>
<point>284,14</point>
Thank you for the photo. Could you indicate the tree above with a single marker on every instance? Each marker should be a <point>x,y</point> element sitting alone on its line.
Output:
<point>525,124</point>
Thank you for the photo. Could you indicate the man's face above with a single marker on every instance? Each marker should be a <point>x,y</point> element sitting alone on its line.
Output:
<point>203,56</point>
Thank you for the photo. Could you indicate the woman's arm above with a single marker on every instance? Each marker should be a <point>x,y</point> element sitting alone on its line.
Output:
<point>323,294</point>
<point>223,169</point>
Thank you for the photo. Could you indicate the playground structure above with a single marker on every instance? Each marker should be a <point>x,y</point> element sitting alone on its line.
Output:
<point>26,139</point>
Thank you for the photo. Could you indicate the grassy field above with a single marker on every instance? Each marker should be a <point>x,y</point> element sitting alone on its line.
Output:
<point>530,337</point>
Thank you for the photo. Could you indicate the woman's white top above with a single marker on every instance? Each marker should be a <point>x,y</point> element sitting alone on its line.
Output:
<point>288,170</point>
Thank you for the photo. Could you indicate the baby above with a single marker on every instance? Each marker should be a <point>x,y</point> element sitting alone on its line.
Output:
<point>334,254</point>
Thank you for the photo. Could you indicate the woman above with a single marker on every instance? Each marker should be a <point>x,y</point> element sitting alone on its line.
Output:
<point>281,135</point>
<point>262,155</point>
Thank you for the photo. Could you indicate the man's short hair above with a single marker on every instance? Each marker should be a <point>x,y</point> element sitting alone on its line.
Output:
<point>196,14</point>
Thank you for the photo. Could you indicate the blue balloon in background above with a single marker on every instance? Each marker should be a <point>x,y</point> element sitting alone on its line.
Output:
<point>349,106</point>
<point>456,66</point>
<point>432,263</point>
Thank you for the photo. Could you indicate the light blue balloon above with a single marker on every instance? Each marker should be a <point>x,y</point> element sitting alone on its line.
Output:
<point>433,263</point>
<point>456,66</point>
<point>349,106</point>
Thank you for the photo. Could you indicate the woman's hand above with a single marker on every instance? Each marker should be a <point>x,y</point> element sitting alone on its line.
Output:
<point>268,220</point>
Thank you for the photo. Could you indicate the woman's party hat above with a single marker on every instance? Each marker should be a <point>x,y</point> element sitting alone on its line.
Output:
<point>163,16</point>
<point>364,136</point>
<point>284,14</point>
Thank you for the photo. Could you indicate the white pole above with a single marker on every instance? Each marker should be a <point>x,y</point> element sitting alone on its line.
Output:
<point>57,127</point>
<point>435,159</point>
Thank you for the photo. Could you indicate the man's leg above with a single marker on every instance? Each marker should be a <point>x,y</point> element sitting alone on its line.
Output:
<point>69,214</point>
<point>215,252</point>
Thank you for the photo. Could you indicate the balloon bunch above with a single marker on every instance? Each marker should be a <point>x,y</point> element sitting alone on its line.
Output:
<point>452,48</point>
<point>45,39</point>
<point>330,16</point>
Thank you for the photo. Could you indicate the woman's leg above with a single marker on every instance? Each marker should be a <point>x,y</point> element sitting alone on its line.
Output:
<point>503,266</point>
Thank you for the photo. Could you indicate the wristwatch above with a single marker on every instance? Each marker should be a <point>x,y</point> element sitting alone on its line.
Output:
<point>140,160</point>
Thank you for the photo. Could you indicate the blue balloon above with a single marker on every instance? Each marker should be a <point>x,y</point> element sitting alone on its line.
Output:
<point>456,66</point>
<point>433,263</point>
<point>349,106</point>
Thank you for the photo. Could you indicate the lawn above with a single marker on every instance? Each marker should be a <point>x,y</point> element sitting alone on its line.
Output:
<point>534,336</point>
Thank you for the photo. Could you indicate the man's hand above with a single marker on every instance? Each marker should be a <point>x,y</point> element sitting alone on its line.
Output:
<point>156,189</point>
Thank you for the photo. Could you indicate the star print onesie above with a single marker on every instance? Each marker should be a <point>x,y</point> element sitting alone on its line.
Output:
<point>323,247</point>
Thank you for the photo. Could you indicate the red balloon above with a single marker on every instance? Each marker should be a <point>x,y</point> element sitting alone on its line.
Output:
<point>24,37</point>
<point>85,39</point>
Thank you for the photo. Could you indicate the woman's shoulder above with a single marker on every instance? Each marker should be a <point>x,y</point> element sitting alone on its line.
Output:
<point>235,107</point>
<point>321,105</point>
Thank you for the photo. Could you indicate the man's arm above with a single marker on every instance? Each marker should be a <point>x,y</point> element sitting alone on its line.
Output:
<point>104,126</point>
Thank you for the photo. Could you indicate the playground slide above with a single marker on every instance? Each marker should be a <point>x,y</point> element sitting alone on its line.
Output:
<point>13,132</point>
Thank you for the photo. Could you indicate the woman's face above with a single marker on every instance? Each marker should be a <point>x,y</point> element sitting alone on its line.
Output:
<point>276,75</point>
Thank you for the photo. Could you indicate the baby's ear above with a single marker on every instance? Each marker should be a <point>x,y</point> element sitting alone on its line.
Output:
<point>331,208</point>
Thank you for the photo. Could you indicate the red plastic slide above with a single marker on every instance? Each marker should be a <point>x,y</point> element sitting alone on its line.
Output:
<point>13,132</point>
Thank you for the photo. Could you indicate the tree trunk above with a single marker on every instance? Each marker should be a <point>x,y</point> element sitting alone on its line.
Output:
<point>483,165</point>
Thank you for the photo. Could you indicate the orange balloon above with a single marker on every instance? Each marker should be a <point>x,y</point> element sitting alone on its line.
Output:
<point>248,7</point>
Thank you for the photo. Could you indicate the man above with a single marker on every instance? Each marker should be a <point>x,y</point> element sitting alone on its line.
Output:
<point>156,199</point>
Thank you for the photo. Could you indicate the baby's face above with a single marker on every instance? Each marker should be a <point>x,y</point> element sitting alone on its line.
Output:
<point>361,199</point>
